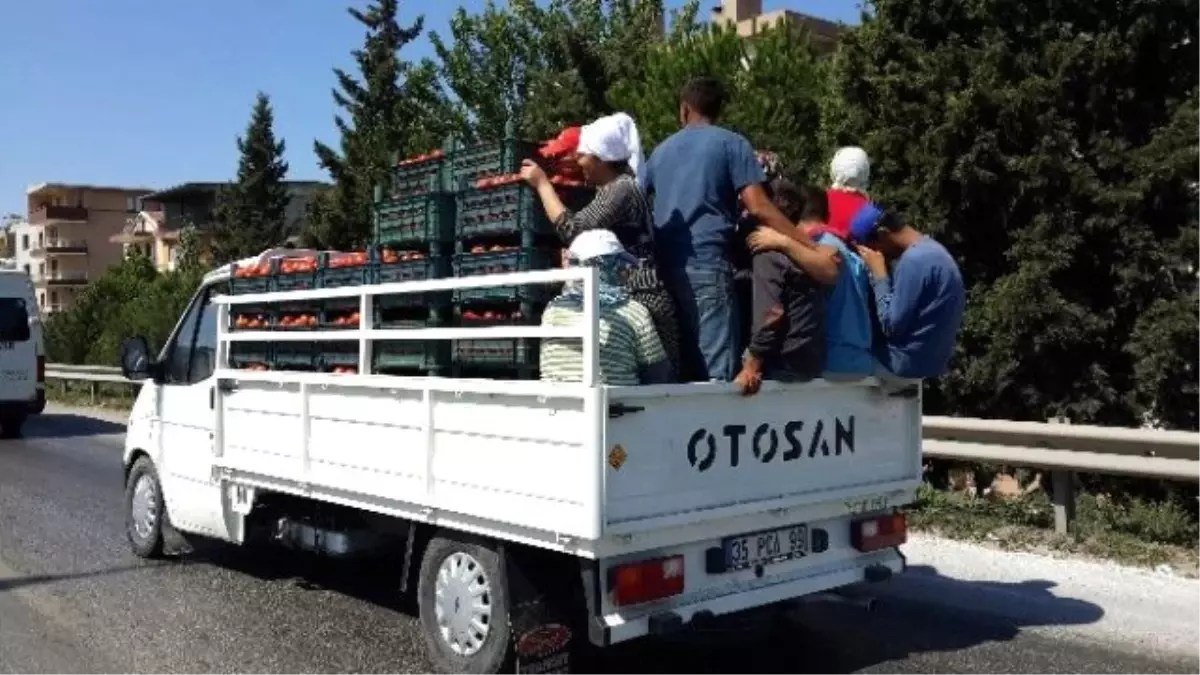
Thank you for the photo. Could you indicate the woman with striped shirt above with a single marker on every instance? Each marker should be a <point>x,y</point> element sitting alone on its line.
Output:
<point>609,154</point>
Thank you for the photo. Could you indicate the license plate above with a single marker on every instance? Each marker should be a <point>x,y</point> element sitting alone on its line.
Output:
<point>766,547</point>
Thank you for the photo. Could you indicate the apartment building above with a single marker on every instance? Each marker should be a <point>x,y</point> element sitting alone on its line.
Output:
<point>750,19</point>
<point>155,229</point>
<point>64,242</point>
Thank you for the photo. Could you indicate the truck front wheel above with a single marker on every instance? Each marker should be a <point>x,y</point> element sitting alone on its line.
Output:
<point>144,510</point>
<point>463,605</point>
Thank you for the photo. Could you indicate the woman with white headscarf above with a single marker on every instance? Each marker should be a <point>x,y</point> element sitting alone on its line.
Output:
<point>609,154</point>
<point>849,173</point>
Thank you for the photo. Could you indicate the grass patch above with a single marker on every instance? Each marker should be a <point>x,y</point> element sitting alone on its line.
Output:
<point>81,394</point>
<point>1130,530</point>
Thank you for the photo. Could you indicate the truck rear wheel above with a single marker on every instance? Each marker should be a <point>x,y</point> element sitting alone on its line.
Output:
<point>463,605</point>
<point>145,510</point>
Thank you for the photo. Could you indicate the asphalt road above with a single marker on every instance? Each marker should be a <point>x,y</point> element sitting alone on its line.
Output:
<point>74,599</point>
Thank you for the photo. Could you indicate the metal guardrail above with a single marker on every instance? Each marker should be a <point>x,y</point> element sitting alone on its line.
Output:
<point>1063,449</point>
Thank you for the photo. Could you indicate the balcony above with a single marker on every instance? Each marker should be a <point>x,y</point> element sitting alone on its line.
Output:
<point>60,246</point>
<point>60,278</point>
<point>66,214</point>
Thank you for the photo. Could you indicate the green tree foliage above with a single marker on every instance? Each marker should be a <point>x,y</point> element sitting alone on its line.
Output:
<point>132,298</point>
<point>393,107</point>
<point>543,68</point>
<point>1052,147</point>
<point>774,85</point>
<point>251,212</point>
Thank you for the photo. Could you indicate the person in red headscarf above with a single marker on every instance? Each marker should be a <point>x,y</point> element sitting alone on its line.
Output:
<point>849,173</point>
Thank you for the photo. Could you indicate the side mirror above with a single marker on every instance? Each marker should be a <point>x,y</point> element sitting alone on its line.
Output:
<point>136,364</point>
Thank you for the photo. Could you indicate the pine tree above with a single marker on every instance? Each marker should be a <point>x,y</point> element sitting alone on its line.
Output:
<point>250,212</point>
<point>394,107</point>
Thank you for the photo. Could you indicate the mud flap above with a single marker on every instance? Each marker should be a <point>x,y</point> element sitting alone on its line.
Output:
<point>540,624</point>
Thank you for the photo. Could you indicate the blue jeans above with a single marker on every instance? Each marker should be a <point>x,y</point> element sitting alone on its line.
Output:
<point>708,320</point>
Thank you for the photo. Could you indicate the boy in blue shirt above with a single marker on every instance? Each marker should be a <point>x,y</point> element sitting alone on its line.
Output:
<point>919,302</point>
<point>848,329</point>
<point>697,177</point>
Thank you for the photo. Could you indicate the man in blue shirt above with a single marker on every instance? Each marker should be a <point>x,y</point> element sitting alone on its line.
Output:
<point>919,302</point>
<point>696,178</point>
<point>848,329</point>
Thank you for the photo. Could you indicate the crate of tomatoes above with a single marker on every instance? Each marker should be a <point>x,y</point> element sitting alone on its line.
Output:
<point>250,279</point>
<point>295,273</point>
<point>469,164</point>
<point>419,175</point>
<point>422,220</point>
<point>345,269</point>
<point>504,205</point>
<point>482,259</point>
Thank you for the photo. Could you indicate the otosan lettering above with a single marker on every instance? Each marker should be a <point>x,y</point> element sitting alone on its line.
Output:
<point>764,442</point>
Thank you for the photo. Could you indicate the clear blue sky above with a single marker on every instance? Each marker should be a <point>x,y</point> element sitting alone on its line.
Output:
<point>154,92</point>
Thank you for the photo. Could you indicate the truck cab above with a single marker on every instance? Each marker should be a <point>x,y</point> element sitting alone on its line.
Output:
<point>22,361</point>
<point>526,515</point>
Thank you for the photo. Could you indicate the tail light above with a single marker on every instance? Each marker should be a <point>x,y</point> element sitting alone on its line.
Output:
<point>872,534</point>
<point>41,368</point>
<point>646,580</point>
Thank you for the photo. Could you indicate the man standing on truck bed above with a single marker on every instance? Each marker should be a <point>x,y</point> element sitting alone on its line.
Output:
<point>696,177</point>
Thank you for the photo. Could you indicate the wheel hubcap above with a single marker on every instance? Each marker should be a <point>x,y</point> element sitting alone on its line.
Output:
<point>144,508</point>
<point>463,603</point>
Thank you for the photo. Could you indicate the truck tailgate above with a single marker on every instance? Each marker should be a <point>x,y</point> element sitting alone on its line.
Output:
<point>676,453</point>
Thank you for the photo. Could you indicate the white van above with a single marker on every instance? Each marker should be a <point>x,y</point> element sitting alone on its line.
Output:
<point>525,515</point>
<point>22,363</point>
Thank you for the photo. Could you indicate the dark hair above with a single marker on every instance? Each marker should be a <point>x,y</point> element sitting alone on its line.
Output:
<point>705,95</point>
<point>799,203</point>
<point>890,221</point>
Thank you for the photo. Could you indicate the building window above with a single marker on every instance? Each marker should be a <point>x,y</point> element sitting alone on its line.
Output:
<point>54,297</point>
<point>26,269</point>
<point>41,240</point>
<point>41,268</point>
<point>25,243</point>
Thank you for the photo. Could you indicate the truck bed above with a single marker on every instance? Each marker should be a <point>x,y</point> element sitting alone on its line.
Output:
<point>587,470</point>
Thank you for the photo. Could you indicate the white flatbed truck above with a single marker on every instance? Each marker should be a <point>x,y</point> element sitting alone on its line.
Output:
<point>530,514</point>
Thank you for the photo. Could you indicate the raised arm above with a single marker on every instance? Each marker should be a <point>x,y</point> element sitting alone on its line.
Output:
<point>608,210</point>
<point>897,295</point>
<point>748,177</point>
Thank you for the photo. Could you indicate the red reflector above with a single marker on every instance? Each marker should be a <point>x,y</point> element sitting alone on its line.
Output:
<point>41,369</point>
<point>647,580</point>
<point>879,532</point>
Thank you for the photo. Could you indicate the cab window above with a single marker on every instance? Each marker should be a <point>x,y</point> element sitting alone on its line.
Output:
<point>192,356</point>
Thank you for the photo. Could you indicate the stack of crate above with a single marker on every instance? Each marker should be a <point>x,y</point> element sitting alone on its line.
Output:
<point>291,274</point>
<point>464,212</point>
<point>501,227</point>
<point>414,241</point>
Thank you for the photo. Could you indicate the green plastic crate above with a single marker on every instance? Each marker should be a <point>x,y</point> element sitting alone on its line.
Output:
<point>333,354</point>
<point>392,355</point>
<point>410,179</point>
<point>521,259</point>
<point>294,356</point>
<point>415,220</point>
<point>509,209</point>
<point>469,164</point>
<point>497,353</point>
<point>242,354</point>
